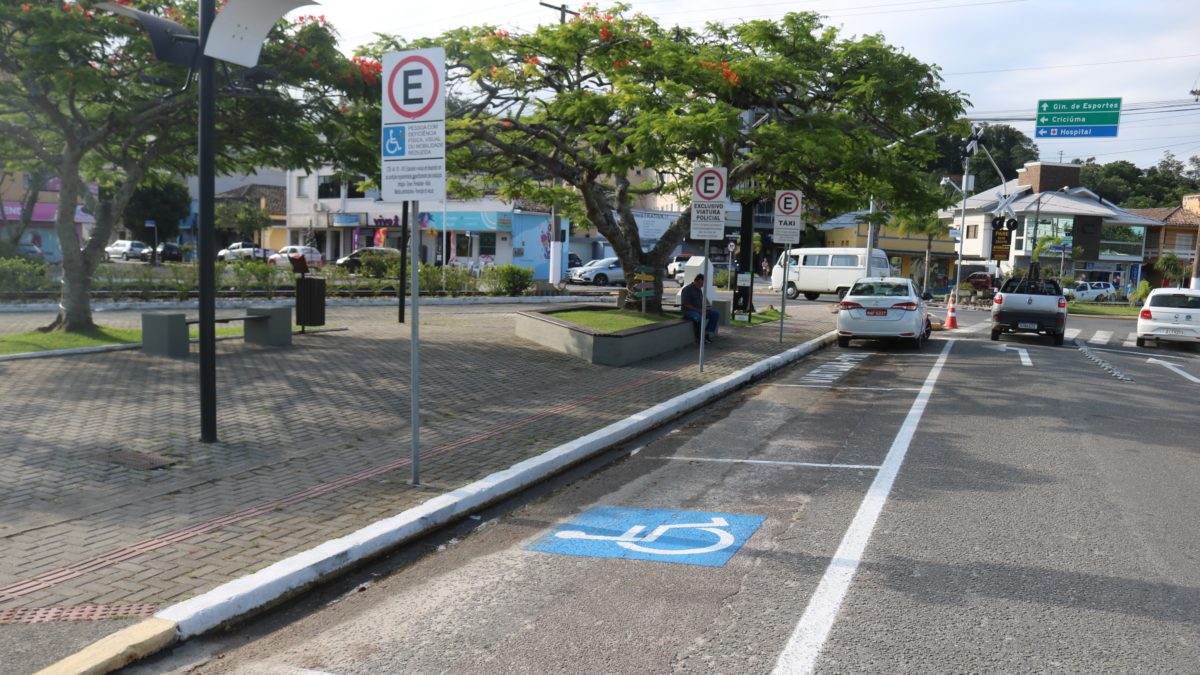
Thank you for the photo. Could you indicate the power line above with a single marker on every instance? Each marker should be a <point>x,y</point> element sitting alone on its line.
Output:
<point>1073,65</point>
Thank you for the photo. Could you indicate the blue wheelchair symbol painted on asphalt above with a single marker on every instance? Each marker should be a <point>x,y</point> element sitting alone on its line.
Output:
<point>685,537</point>
<point>393,142</point>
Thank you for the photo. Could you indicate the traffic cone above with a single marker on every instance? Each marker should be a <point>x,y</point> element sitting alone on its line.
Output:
<point>951,317</point>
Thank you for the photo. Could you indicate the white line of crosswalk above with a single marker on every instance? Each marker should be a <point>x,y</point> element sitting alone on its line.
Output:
<point>1100,337</point>
<point>1072,333</point>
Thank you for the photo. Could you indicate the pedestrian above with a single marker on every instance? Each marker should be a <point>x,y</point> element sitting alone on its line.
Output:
<point>766,267</point>
<point>691,302</point>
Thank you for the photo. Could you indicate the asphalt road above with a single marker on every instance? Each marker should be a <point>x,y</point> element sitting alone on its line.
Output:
<point>977,507</point>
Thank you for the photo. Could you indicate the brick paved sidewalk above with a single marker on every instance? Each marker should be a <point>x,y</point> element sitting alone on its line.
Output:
<point>110,509</point>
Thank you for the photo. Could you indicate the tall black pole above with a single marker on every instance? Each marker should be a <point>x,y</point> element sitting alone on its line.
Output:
<point>743,296</point>
<point>206,233</point>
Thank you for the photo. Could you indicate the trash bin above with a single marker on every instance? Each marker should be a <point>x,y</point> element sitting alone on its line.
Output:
<point>310,301</point>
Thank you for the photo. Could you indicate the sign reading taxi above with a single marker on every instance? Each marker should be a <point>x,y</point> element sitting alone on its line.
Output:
<point>708,203</point>
<point>413,140</point>
<point>787,217</point>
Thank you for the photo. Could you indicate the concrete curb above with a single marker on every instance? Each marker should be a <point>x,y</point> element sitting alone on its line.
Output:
<point>241,597</point>
<point>348,302</point>
<point>117,650</point>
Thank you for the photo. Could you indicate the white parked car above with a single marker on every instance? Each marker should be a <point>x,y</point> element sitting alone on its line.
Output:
<point>1170,315</point>
<point>242,250</point>
<point>126,249</point>
<point>883,308</point>
<point>312,256</point>
<point>1093,291</point>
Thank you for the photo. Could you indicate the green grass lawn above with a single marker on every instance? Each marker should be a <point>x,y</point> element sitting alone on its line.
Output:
<point>613,320</point>
<point>35,341</point>
<point>766,316</point>
<point>1080,309</point>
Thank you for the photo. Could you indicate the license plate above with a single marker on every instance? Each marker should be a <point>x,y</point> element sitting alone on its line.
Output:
<point>1171,331</point>
<point>1026,325</point>
<point>876,312</point>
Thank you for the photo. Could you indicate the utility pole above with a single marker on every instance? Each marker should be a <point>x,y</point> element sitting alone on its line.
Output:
<point>562,10</point>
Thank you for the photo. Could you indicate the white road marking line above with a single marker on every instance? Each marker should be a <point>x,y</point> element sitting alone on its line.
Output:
<point>1071,334</point>
<point>1130,340</point>
<point>800,654</point>
<point>1176,369</point>
<point>818,465</point>
<point>1161,356</point>
<point>834,386</point>
<point>1100,337</point>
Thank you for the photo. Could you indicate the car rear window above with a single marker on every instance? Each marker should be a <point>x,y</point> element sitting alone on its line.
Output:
<point>1175,300</point>
<point>880,288</point>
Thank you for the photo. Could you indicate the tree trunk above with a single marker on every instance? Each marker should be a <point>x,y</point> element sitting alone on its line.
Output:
<point>75,309</point>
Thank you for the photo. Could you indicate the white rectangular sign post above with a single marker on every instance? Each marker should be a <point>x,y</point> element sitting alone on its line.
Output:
<point>708,222</point>
<point>788,209</point>
<point>412,150</point>
<point>413,143</point>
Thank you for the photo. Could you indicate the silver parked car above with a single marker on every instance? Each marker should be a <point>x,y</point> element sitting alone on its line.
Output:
<point>600,272</point>
<point>126,249</point>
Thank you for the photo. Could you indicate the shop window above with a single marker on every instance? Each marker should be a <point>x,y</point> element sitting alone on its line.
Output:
<point>487,244</point>
<point>462,246</point>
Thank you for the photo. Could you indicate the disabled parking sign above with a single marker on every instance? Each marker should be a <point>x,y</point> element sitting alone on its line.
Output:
<point>683,537</point>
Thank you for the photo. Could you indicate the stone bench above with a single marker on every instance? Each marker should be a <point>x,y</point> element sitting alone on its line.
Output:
<point>166,333</point>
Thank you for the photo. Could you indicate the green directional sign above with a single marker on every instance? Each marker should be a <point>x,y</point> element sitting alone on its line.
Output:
<point>1077,118</point>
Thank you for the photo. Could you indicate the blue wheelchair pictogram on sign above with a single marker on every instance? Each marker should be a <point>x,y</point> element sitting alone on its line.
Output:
<point>686,537</point>
<point>393,142</point>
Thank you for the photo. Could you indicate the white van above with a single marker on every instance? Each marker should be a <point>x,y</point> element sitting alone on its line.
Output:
<point>814,271</point>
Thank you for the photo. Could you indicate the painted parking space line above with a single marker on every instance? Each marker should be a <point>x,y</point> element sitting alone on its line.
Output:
<point>772,462</point>
<point>832,371</point>
<point>1100,337</point>
<point>702,538</point>
<point>805,644</point>
<point>838,387</point>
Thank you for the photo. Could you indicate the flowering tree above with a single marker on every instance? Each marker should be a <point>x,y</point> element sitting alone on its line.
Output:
<point>593,114</point>
<point>82,94</point>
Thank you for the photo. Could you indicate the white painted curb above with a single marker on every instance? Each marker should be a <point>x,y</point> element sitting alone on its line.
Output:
<point>241,596</point>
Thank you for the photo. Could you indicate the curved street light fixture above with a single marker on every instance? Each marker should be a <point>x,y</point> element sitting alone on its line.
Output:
<point>236,36</point>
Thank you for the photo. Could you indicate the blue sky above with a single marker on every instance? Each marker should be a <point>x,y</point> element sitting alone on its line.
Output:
<point>1004,55</point>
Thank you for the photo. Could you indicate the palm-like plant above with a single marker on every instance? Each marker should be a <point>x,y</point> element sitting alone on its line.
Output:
<point>926,224</point>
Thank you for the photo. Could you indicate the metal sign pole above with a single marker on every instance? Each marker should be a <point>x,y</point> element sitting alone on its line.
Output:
<point>783,293</point>
<point>414,349</point>
<point>704,303</point>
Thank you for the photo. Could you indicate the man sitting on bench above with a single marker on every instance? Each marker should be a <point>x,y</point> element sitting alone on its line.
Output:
<point>691,302</point>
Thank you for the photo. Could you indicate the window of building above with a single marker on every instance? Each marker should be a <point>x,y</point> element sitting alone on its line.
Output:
<point>487,243</point>
<point>352,188</point>
<point>462,245</point>
<point>301,186</point>
<point>328,187</point>
<point>972,232</point>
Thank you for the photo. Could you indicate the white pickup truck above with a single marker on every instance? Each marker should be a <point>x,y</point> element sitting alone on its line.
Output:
<point>1030,306</point>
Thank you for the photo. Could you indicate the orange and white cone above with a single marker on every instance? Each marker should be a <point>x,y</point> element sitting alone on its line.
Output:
<point>951,317</point>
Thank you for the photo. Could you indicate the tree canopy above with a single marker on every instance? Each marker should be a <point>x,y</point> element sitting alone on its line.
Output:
<point>161,198</point>
<point>82,95</point>
<point>1132,187</point>
<point>610,107</point>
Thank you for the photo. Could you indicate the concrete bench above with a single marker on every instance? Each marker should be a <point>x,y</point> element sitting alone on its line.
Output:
<point>166,334</point>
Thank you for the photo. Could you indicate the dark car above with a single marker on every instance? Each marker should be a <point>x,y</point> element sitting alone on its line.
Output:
<point>167,252</point>
<point>353,262</point>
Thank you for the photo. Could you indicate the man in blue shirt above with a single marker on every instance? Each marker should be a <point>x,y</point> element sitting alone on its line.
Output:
<point>692,302</point>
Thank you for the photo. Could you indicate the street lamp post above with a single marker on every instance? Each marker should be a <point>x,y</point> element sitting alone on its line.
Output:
<point>238,37</point>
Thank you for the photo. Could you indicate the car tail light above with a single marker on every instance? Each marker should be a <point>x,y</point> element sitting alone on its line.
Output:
<point>998,299</point>
<point>906,306</point>
<point>1062,302</point>
<point>1145,314</point>
<point>846,304</point>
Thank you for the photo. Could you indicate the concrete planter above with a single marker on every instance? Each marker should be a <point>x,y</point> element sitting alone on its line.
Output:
<point>606,349</point>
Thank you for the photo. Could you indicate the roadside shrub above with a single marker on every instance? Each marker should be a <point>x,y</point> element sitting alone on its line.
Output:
<point>459,280</point>
<point>184,279</point>
<point>723,278</point>
<point>374,265</point>
<point>1139,296</point>
<point>507,280</point>
<point>243,277</point>
<point>18,275</point>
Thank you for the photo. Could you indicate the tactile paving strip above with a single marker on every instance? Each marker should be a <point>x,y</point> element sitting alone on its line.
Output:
<point>116,610</point>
